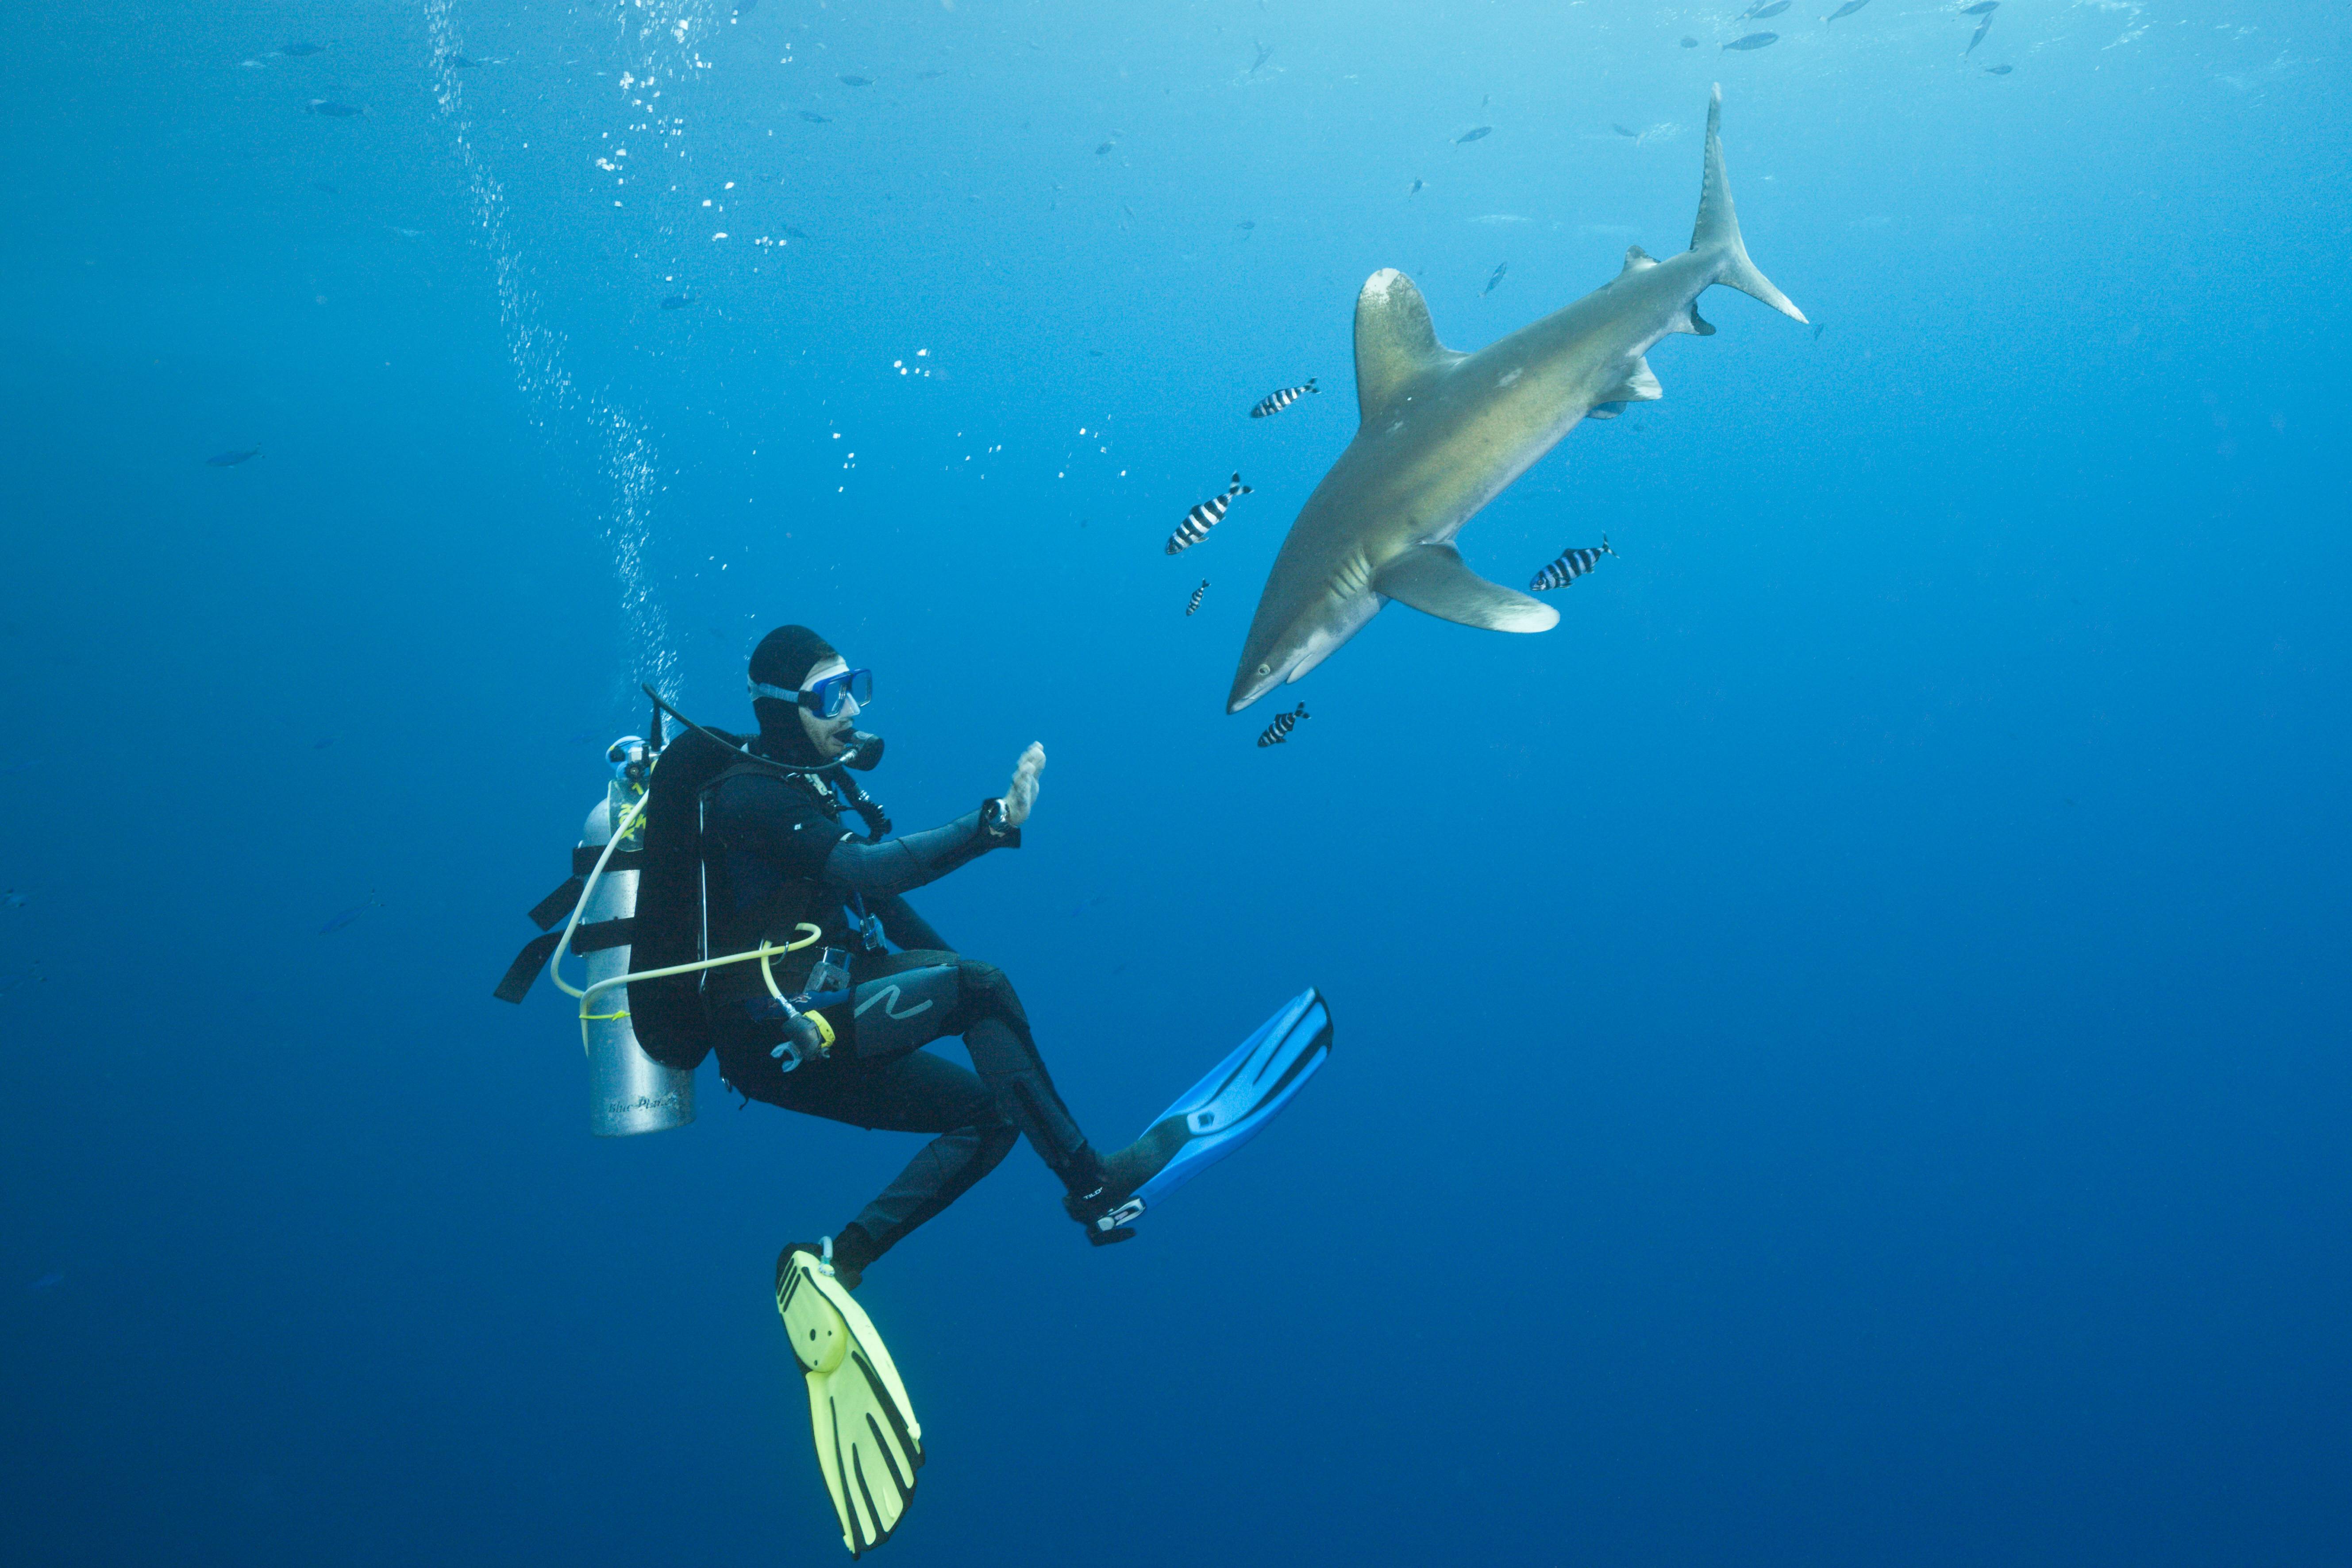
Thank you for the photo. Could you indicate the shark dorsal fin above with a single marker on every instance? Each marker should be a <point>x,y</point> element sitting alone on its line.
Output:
<point>1636,260</point>
<point>1396,345</point>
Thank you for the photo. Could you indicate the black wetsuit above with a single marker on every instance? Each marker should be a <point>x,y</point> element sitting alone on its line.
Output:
<point>775,853</point>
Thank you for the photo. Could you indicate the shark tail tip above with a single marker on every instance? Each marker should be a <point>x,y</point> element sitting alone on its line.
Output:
<point>1717,228</point>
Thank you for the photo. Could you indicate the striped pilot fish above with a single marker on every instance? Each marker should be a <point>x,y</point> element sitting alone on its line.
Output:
<point>1571,564</point>
<point>1276,402</point>
<point>1284,724</point>
<point>1204,517</point>
<point>1196,598</point>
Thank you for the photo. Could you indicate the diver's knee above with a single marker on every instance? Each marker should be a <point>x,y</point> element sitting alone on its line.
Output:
<point>986,990</point>
<point>997,1136</point>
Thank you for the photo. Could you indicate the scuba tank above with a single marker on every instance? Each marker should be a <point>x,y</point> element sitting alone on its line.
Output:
<point>634,912</point>
<point>628,1091</point>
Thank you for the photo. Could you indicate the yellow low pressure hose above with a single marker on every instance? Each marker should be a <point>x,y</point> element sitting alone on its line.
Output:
<point>763,953</point>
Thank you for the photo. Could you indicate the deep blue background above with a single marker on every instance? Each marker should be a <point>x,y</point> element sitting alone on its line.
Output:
<point>1843,1049</point>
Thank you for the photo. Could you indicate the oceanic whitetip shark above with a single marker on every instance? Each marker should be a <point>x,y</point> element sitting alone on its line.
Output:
<point>1443,433</point>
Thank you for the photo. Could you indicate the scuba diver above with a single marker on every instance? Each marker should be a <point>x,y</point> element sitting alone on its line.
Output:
<point>762,932</point>
<point>775,854</point>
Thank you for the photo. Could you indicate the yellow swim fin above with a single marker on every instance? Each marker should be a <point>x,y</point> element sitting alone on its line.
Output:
<point>868,1443</point>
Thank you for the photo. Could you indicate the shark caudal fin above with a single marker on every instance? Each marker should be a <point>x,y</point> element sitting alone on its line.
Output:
<point>1717,228</point>
<point>1396,342</point>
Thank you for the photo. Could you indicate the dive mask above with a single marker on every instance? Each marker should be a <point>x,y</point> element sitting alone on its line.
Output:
<point>827,697</point>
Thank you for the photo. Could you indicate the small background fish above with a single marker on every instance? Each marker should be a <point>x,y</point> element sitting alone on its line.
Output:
<point>1274,403</point>
<point>1203,517</point>
<point>1568,566</point>
<point>337,921</point>
<point>1278,732</point>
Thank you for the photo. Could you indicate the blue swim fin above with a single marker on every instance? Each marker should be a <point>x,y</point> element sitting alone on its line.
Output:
<point>1227,1109</point>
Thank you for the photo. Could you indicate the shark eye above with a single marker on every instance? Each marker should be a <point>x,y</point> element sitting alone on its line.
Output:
<point>1265,669</point>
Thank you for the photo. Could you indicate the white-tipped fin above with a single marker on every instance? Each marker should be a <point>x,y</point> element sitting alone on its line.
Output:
<point>1637,385</point>
<point>1717,228</point>
<point>1396,342</point>
<point>1434,579</point>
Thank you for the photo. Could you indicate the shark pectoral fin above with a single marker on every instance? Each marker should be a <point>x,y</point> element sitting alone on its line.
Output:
<point>1434,579</point>
<point>1396,343</point>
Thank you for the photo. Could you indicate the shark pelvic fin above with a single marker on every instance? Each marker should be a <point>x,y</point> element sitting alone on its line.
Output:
<point>1636,386</point>
<point>1434,579</point>
<point>1396,343</point>
<point>1717,228</point>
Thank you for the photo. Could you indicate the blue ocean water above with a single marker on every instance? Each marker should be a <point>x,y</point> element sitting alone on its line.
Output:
<point>1842,1045</point>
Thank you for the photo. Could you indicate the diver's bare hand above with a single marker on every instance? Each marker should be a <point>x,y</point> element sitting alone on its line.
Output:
<point>1020,799</point>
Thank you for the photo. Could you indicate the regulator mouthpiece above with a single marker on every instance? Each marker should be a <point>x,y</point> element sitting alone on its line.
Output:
<point>864,751</point>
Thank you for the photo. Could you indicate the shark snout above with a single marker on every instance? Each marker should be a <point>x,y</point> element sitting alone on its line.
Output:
<point>1265,665</point>
<point>1254,682</point>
